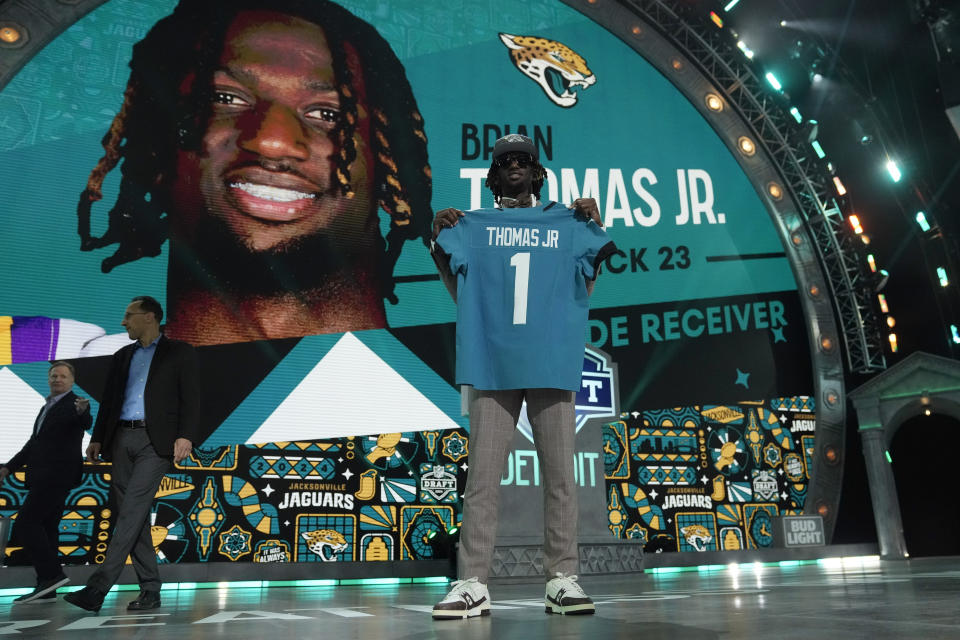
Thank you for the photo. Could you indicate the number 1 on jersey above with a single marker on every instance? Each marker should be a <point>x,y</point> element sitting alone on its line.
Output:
<point>522,263</point>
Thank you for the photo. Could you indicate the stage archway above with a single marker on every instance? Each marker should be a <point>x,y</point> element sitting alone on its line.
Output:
<point>781,249</point>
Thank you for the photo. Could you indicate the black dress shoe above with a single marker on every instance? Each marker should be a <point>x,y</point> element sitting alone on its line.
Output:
<point>46,590</point>
<point>146,600</point>
<point>88,598</point>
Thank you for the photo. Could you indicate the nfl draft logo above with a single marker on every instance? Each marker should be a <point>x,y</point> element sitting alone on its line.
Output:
<point>598,397</point>
<point>438,483</point>
<point>764,485</point>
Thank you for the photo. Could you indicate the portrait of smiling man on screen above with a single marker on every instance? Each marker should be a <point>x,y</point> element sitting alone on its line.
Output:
<point>264,151</point>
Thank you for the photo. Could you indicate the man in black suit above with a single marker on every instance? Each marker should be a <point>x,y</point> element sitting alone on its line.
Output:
<point>149,414</point>
<point>54,466</point>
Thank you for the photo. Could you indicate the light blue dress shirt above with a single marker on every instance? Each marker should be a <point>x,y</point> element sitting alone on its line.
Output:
<point>137,381</point>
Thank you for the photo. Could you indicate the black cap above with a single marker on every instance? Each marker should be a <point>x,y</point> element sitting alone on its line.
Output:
<point>514,142</point>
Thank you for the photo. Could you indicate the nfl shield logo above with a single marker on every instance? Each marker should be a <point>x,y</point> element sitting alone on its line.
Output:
<point>598,395</point>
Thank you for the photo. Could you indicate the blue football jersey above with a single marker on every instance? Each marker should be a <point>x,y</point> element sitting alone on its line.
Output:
<point>521,295</point>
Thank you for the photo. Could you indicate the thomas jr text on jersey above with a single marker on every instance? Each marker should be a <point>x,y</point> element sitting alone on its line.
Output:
<point>522,237</point>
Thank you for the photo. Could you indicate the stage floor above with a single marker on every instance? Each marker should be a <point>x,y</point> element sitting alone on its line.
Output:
<point>859,598</point>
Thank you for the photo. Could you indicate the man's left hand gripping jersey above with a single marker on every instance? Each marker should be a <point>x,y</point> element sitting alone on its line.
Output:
<point>522,296</point>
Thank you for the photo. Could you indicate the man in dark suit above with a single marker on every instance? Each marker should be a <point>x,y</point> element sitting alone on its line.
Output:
<point>54,466</point>
<point>148,415</point>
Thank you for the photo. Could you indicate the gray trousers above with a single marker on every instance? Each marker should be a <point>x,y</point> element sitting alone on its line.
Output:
<point>137,471</point>
<point>493,419</point>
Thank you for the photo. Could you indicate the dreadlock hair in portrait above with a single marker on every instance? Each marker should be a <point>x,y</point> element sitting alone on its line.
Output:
<point>154,119</point>
<point>493,180</point>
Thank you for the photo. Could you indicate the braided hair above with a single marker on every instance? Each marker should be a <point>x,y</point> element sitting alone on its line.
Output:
<point>154,113</point>
<point>493,180</point>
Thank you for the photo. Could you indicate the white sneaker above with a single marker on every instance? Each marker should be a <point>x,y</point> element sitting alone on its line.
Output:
<point>564,596</point>
<point>467,599</point>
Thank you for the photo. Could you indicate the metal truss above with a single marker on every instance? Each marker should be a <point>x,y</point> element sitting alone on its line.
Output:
<point>806,179</point>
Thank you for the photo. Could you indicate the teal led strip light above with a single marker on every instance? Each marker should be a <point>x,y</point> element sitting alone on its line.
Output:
<point>254,584</point>
<point>845,562</point>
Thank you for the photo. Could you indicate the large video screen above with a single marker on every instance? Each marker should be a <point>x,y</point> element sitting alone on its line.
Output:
<point>269,172</point>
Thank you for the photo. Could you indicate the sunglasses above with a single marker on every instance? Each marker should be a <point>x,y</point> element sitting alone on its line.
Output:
<point>522,160</point>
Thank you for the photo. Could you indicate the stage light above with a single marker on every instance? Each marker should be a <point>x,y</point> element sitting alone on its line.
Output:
<point>816,77</point>
<point>796,114</point>
<point>841,190</point>
<point>855,223</point>
<point>772,79</point>
<point>956,333</point>
<point>893,342</point>
<point>893,170</point>
<point>881,281</point>
<point>889,457</point>
<point>746,146</point>
<point>820,152</point>
<point>864,238</point>
<point>775,191</point>
<point>783,23</point>
<point>891,322</point>
<point>872,262</point>
<point>942,275</point>
<point>10,35</point>
<point>730,5</point>
<point>922,221</point>
<point>883,303</point>
<point>747,51</point>
<point>443,546</point>
<point>927,411</point>
<point>714,103</point>
<point>860,132</point>
<point>717,20</point>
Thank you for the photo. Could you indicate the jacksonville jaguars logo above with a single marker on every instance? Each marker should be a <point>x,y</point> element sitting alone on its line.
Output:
<point>697,536</point>
<point>555,67</point>
<point>325,543</point>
